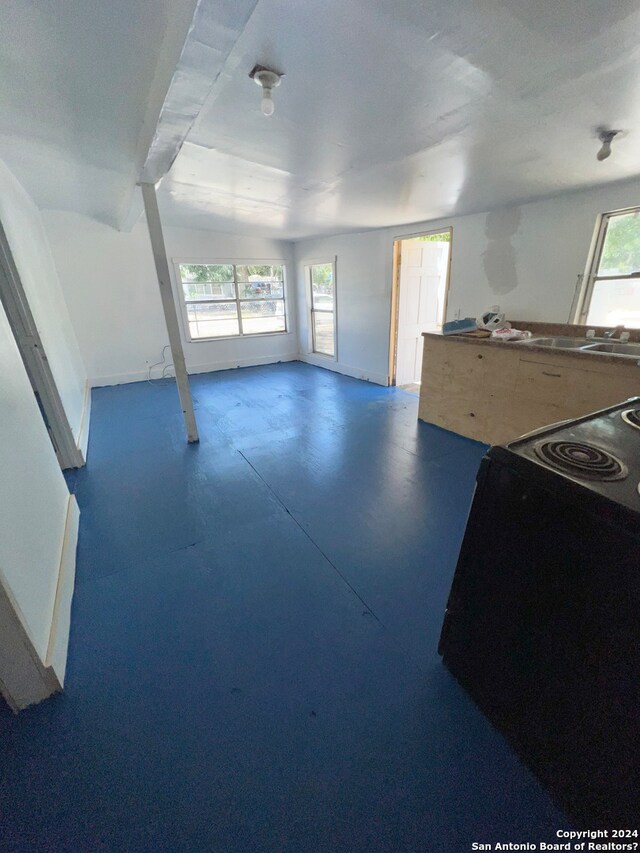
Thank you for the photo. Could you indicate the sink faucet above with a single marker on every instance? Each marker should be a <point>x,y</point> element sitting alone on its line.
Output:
<point>613,332</point>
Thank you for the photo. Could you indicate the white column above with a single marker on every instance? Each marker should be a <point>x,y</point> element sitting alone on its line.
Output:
<point>169,307</point>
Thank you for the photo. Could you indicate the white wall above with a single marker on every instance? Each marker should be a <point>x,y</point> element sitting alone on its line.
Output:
<point>110,284</point>
<point>525,258</point>
<point>33,498</point>
<point>363,301</point>
<point>25,232</point>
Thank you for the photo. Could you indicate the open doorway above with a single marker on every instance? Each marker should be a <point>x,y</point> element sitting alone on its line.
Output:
<point>421,270</point>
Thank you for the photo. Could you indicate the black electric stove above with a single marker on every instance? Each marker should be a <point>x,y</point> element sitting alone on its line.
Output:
<point>542,625</point>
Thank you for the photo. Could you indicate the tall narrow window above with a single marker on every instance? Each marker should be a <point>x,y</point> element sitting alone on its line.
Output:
<point>322,281</point>
<point>612,293</point>
<point>230,300</point>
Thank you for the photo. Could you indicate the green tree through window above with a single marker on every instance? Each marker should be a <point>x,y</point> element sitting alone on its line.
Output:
<point>621,251</point>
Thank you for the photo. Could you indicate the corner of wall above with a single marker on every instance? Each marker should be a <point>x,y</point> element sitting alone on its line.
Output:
<point>85,419</point>
<point>26,679</point>
<point>56,659</point>
<point>345,370</point>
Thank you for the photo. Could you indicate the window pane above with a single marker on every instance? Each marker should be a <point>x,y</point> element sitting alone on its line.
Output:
<point>259,317</point>
<point>322,286</point>
<point>323,341</point>
<point>615,303</point>
<point>264,272</point>
<point>213,320</point>
<point>621,250</point>
<point>194,290</point>
<point>207,281</point>
<point>206,272</point>
<point>260,289</point>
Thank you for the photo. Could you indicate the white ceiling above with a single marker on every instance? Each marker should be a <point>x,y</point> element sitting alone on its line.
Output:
<point>396,111</point>
<point>391,111</point>
<point>83,83</point>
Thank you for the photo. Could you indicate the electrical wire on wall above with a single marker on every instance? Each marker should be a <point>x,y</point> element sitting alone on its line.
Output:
<point>167,366</point>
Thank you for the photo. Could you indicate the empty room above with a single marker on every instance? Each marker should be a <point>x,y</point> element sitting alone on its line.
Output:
<point>319,426</point>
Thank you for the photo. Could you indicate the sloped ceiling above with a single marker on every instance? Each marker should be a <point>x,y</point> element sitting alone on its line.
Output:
<point>391,111</point>
<point>396,111</point>
<point>83,83</point>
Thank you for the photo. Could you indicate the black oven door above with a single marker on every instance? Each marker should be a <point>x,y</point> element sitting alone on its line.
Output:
<point>542,628</point>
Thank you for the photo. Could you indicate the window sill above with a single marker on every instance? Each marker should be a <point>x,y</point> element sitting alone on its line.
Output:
<point>238,337</point>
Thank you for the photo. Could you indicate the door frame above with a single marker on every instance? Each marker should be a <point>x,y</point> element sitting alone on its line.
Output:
<point>34,357</point>
<point>395,292</point>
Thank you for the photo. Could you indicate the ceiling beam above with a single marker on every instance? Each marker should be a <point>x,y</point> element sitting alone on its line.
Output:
<point>213,34</point>
<point>171,48</point>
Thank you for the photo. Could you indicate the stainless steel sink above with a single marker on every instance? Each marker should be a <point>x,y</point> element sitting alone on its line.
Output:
<point>613,348</point>
<point>624,350</point>
<point>557,342</point>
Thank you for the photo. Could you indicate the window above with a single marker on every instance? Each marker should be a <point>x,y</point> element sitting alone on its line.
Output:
<point>322,283</point>
<point>612,288</point>
<point>229,300</point>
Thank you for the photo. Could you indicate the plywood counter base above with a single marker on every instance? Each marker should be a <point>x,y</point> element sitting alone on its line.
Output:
<point>495,392</point>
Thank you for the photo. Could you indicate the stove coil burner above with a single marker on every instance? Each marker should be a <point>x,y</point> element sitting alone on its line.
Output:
<point>583,461</point>
<point>632,417</point>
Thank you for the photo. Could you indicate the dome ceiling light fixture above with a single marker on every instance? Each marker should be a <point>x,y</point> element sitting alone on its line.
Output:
<point>268,79</point>
<point>605,136</point>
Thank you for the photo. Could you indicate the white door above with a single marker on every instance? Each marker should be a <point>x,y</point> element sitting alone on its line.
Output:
<point>423,279</point>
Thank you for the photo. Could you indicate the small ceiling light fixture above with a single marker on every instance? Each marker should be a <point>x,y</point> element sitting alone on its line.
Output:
<point>606,137</point>
<point>268,79</point>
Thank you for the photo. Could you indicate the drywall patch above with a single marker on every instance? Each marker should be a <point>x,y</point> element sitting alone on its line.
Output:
<point>499,258</point>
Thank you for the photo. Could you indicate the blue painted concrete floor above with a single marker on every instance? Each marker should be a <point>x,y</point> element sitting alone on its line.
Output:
<point>252,663</point>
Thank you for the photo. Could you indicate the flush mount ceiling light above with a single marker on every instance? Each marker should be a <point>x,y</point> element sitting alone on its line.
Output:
<point>268,79</point>
<point>606,137</point>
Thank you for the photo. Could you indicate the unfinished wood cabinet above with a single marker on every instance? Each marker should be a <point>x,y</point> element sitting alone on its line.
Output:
<point>495,392</point>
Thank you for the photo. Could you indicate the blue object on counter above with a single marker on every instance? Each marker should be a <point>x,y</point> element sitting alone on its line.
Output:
<point>457,327</point>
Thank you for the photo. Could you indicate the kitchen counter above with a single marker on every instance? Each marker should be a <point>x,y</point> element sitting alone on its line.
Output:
<point>543,330</point>
<point>494,391</point>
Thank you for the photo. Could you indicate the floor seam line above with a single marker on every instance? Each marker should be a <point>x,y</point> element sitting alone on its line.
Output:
<point>313,542</point>
<point>390,634</point>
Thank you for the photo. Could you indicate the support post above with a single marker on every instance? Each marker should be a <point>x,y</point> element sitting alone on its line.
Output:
<point>169,307</point>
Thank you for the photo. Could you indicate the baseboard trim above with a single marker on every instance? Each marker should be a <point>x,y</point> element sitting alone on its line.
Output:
<point>209,367</point>
<point>118,379</point>
<point>241,362</point>
<point>56,658</point>
<point>337,367</point>
<point>213,367</point>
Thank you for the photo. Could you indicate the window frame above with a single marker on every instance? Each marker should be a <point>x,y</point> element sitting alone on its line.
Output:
<point>590,276</point>
<point>333,261</point>
<point>237,300</point>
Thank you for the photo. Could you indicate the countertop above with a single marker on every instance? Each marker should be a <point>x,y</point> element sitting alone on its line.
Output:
<point>548,330</point>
